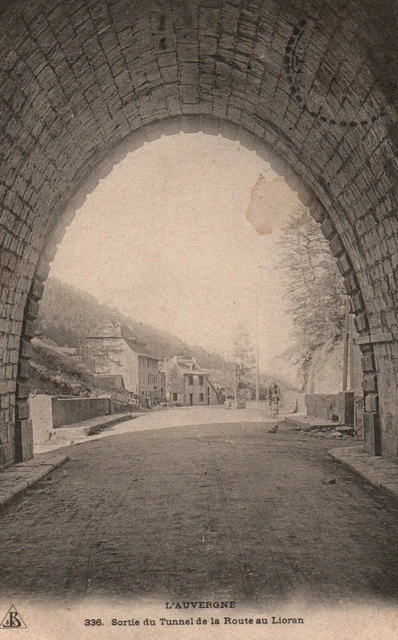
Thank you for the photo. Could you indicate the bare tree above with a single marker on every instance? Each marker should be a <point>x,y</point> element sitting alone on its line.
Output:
<point>315,290</point>
<point>244,354</point>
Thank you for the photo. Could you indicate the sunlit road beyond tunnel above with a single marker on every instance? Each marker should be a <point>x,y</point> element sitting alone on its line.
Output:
<point>212,511</point>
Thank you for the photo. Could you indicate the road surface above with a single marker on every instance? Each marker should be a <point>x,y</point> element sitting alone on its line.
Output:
<point>198,511</point>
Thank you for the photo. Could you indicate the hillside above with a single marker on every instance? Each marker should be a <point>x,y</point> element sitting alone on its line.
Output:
<point>56,373</point>
<point>67,315</point>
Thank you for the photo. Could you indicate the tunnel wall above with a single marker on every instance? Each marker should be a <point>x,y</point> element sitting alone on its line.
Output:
<point>312,81</point>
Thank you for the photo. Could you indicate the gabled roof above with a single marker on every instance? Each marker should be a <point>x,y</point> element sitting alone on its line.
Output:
<point>134,343</point>
<point>184,364</point>
<point>195,372</point>
<point>140,349</point>
<point>116,330</point>
<point>128,334</point>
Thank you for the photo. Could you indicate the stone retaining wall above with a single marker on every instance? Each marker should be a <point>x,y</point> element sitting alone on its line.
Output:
<point>332,406</point>
<point>71,410</point>
<point>49,413</point>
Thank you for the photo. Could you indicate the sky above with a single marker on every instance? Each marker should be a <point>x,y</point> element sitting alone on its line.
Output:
<point>181,234</point>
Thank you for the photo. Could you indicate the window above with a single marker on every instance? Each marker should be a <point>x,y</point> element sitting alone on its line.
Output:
<point>201,397</point>
<point>175,398</point>
<point>201,381</point>
<point>190,381</point>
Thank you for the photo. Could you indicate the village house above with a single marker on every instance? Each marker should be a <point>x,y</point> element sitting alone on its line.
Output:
<point>187,383</point>
<point>118,359</point>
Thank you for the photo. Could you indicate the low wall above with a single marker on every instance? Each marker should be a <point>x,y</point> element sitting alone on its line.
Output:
<point>322,405</point>
<point>70,410</point>
<point>40,411</point>
<point>329,406</point>
<point>253,404</point>
<point>290,401</point>
<point>358,414</point>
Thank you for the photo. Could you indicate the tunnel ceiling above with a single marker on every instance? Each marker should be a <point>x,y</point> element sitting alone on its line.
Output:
<point>313,81</point>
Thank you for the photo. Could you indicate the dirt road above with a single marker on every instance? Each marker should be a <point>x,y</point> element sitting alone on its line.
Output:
<point>218,510</point>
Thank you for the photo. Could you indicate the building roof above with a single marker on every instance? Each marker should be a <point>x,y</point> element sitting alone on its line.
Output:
<point>185,365</point>
<point>112,329</point>
<point>140,349</point>
<point>195,372</point>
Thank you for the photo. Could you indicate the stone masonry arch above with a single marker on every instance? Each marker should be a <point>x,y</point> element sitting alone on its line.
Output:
<point>313,81</point>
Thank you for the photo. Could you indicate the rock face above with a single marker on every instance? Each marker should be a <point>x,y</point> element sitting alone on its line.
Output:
<point>326,372</point>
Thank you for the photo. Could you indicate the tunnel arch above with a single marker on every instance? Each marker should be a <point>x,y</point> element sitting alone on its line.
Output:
<point>170,126</point>
<point>310,81</point>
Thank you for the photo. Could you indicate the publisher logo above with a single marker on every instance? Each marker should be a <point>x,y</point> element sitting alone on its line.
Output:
<point>12,620</point>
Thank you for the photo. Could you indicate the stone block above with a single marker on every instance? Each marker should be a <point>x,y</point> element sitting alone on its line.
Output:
<point>344,266</point>
<point>50,250</point>
<point>22,390</point>
<point>368,361</point>
<point>372,403</point>
<point>26,349</point>
<point>31,309</point>
<point>372,434</point>
<point>37,289</point>
<point>22,412</point>
<point>23,440</point>
<point>29,328</point>
<point>357,303</point>
<point>328,229</point>
<point>370,382</point>
<point>361,322</point>
<point>23,369</point>
<point>336,246</point>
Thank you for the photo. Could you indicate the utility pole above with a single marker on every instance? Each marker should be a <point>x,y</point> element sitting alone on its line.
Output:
<point>232,371</point>
<point>235,378</point>
<point>346,342</point>
<point>352,376</point>
<point>257,334</point>
<point>257,348</point>
<point>225,375</point>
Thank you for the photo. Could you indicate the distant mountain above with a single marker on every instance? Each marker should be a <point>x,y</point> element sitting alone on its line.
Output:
<point>67,315</point>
